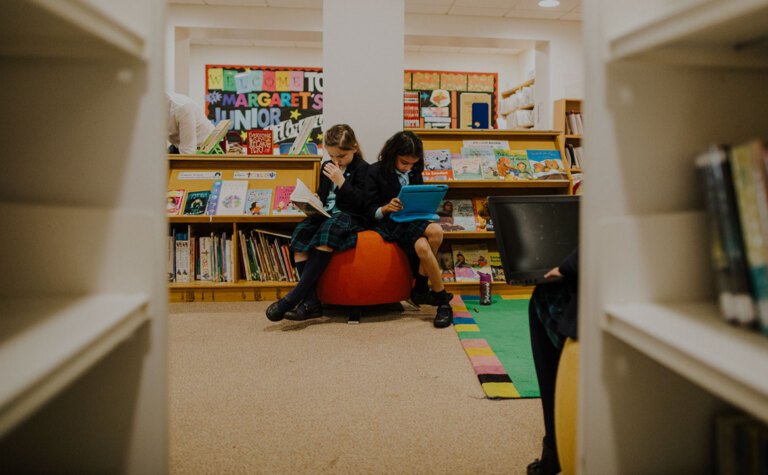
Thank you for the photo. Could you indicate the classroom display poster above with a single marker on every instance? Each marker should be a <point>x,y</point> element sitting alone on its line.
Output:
<point>449,100</point>
<point>280,99</point>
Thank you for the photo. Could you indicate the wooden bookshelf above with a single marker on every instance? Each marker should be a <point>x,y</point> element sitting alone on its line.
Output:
<point>286,168</point>
<point>561,110</point>
<point>509,92</point>
<point>452,139</point>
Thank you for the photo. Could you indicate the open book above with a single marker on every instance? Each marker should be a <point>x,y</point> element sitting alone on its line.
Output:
<point>307,201</point>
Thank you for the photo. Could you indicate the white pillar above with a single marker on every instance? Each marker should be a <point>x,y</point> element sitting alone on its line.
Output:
<point>363,49</point>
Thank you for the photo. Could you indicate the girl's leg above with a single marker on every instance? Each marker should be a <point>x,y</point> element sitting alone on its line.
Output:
<point>444,316</point>
<point>311,272</point>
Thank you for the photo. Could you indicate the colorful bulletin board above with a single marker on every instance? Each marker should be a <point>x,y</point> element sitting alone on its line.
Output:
<point>448,99</point>
<point>274,98</point>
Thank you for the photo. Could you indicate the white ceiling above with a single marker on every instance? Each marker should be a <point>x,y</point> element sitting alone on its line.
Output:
<point>569,10</point>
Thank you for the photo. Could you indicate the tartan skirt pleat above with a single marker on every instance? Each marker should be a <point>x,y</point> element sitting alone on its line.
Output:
<point>339,232</point>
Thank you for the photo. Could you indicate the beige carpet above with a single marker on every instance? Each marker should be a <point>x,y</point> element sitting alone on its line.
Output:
<point>390,395</point>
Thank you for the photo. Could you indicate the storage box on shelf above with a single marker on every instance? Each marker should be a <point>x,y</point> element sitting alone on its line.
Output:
<point>518,106</point>
<point>83,332</point>
<point>655,350</point>
<point>453,140</point>
<point>266,172</point>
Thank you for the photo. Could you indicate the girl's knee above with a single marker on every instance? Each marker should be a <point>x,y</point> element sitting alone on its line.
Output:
<point>422,248</point>
<point>434,232</point>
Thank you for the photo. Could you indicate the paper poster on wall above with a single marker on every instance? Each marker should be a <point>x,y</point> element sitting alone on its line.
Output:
<point>280,99</point>
<point>446,99</point>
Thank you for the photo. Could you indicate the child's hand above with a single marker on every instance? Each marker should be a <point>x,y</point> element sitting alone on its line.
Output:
<point>334,173</point>
<point>553,273</point>
<point>392,206</point>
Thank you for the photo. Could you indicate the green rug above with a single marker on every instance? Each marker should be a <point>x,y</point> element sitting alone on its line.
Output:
<point>497,340</point>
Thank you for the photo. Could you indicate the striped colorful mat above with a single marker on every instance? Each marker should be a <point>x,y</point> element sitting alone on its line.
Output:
<point>497,341</point>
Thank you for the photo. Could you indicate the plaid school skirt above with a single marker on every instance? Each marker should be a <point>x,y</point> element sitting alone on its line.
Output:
<point>405,235</point>
<point>339,232</point>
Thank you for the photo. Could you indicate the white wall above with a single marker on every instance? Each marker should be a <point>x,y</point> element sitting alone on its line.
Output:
<point>565,47</point>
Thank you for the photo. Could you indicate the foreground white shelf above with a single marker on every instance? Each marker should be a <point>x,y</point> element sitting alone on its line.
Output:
<point>692,340</point>
<point>47,343</point>
<point>69,28</point>
<point>721,32</point>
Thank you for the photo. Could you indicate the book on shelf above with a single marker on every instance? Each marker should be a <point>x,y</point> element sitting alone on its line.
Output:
<point>174,202</point>
<point>217,135</point>
<point>445,260</point>
<point>546,165</point>
<point>437,165</point>
<point>466,168</point>
<point>213,199</point>
<point>197,203</point>
<point>469,260</point>
<point>205,258</point>
<point>497,270</point>
<point>726,244</point>
<point>456,215</point>
<point>231,199</point>
<point>260,142</point>
<point>513,165</point>
<point>749,181</point>
<point>282,204</point>
<point>303,198</point>
<point>483,221</point>
<point>258,201</point>
<point>487,158</point>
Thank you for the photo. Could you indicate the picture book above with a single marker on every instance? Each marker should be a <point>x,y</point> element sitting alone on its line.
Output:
<point>513,165</point>
<point>546,165</point>
<point>497,270</point>
<point>231,200</point>
<point>281,202</point>
<point>260,142</point>
<point>437,165</point>
<point>306,201</point>
<point>197,202</point>
<point>467,259</point>
<point>482,214</point>
<point>174,202</point>
<point>487,157</point>
<point>466,168</point>
<point>456,215</point>
<point>258,201</point>
<point>445,259</point>
<point>213,199</point>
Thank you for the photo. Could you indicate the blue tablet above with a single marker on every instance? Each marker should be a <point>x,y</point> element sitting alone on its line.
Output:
<point>419,202</point>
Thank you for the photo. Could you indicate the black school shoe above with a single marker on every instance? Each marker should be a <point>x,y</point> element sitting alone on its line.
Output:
<point>444,317</point>
<point>305,311</point>
<point>428,298</point>
<point>276,310</point>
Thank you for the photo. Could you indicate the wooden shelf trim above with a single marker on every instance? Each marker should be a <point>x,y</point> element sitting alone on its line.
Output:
<point>694,341</point>
<point>517,134</point>
<point>501,183</point>
<point>244,158</point>
<point>469,235</point>
<point>48,342</point>
<point>242,284</point>
<point>235,219</point>
<point>513,90</point>
<point>573,136</point>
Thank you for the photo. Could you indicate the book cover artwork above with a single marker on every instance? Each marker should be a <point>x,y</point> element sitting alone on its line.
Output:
<point>197,202</point>
<point>437,165</point>
<point>281,204</point>
<point>174,202</point>
<point>258,201</point>
<point>232,197</point>
<point>260,142</point>
<point>546,165</point>
<point>513,165</point>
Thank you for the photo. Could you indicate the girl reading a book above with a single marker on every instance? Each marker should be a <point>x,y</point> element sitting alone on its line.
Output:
<point>401,162</point>
<point>341,190</point>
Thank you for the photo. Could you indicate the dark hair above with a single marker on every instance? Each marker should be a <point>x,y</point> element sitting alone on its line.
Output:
<point>343,137</point>
<point>404,143</point>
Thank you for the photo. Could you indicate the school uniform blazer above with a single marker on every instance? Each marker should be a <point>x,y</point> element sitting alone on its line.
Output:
<point>380,188</point>
<point>350,198</point>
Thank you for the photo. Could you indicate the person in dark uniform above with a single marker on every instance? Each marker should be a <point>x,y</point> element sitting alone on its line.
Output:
<point>341,190</point>
<point>401,162</point>
<point>552,317</point>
